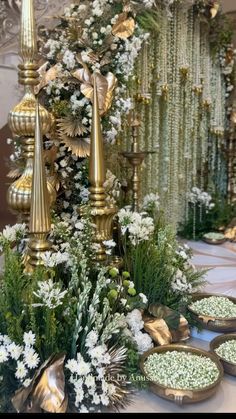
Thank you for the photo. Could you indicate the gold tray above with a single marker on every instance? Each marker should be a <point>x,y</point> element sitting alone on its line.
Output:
<point>216,324</point>
<point>180,396</point>
<point>229,367</point>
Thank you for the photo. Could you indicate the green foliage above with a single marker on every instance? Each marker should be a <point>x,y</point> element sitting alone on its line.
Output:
<point>216,219</point>
<point>221,32</point>
<point>149,21</point>
<point>12,296</point>
<point>133,371</point>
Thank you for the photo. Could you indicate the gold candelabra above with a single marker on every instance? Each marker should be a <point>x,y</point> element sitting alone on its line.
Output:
<point>135,157</point>
<point>102,213</point>
<point>40,222</point>
<point>22,118</point>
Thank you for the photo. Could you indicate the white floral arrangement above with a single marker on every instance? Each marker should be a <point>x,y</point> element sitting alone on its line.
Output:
<point>138,226</point>
<point>181,370</point>
<point>227,351</point>
<point>136,324</point>
<point>200,197</point>
<point>219,307</point>
<point>151,203</point>
<point>68,314</point>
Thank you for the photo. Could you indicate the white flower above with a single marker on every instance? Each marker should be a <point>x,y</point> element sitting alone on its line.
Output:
<point>91,339</point>
<point>96,399</point>
<point>104,400</point>
<point>72,365</point>
<point>3,354</point>
<point>29,338</point>
<point>109,243</point>
<point>50,294</point>
<point>83,409</point>
<point>83,368</point>
<point>11,233</point>
<point>148,3</point>
<point>21,370</point>
<point>31,358</point>
<point>98,352</point>
<point>69,59</point>
<point>134,320</point>
<point>90,381</point>
<point>143,341</point>
<point>79,397</point>
<point>143,297</point>
<point>79,225</point>
<point>6,340</point>
<point>15,351</point>
<point>151,202</point>
<point>27,382</point>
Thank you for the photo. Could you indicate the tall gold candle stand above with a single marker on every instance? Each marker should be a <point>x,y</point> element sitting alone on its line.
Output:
<point>135,157</point>
<point>102,213</point>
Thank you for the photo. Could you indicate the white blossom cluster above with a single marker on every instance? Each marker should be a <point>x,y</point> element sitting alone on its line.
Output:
<point>219,307</point>
<point>91,386</point>
<point>13,233</point>
<point>50,294</point>
<point>135,323</point>
<point>151,202</point>
<point>181,370</point>
<point>180,284</point>
<point>24,356</point>
<point>139,226</point>
<point>199,197</point>
<point>184,252</point>
<point>227,351</point>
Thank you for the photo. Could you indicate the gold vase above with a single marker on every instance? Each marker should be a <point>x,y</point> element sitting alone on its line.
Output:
<point>22,117</point>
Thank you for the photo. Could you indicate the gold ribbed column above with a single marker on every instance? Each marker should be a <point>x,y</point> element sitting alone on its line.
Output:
<point>102,214</point>
<point>40,222</point>
<point>22,118</point>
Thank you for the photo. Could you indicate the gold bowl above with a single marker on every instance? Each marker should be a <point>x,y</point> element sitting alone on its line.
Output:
<point>181,396</point>
<point>214,241</point>
<point>216,324</point>
<point>229,367</point>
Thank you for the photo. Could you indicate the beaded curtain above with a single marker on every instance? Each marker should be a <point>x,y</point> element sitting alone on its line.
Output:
<point>184,120</point>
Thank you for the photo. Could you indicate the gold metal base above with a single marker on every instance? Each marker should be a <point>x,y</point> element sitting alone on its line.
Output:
<point>103,219</point>
<point>38,245</point>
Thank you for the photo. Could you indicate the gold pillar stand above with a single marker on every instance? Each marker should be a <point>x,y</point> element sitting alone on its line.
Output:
<point>22,118</point>
<point>101,213</point>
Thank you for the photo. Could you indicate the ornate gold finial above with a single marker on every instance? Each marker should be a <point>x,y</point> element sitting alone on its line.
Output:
<point>101,213</point>
<point>40,222</point>
<point>22,118</point>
